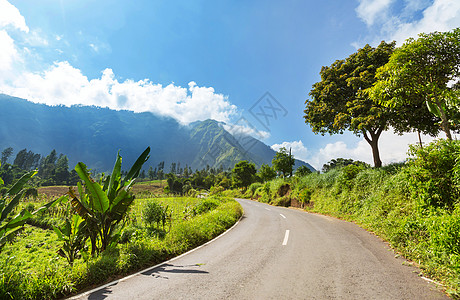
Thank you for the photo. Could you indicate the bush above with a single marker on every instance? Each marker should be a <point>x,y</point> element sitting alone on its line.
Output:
<point>432,171</point>
<point>205,206</point>
<point>216,190</point>
<point>154,212</point>
<point>252,189</point>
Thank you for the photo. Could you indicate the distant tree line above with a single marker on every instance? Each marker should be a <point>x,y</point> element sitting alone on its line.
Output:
<point>53,169</point>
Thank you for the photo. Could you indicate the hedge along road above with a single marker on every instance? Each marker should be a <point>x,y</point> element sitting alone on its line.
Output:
<point>279,253</point>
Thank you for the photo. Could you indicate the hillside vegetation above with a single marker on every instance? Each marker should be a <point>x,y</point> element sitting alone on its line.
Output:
<point>415,206</point>
<point>88,133</point>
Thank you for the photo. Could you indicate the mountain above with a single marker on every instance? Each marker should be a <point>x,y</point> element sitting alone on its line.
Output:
<point>94,135</point>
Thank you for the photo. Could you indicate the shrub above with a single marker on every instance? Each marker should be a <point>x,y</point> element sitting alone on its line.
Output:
<point>432,172</point>
<point>205,206</point>
<point>216,190</point>
<point>154,213</point>
<point>252,189</point>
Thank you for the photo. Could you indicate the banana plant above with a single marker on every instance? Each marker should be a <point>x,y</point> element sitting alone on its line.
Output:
<point>10,225</point>
<point>104,205</point>
<point>74,236</point>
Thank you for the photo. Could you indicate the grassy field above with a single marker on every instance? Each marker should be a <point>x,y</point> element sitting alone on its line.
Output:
<point>32,269</point>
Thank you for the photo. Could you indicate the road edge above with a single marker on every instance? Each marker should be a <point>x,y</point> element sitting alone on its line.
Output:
<point>155,266</point>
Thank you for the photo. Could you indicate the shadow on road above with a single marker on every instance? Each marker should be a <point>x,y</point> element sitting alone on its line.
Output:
<point>169,268</point>
<point>101,294</point>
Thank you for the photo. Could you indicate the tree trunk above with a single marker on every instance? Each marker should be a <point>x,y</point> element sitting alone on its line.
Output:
<point>444,121</point>
<point>373,141</point>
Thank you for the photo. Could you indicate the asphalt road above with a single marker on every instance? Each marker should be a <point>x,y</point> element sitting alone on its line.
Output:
<point>279,253</point>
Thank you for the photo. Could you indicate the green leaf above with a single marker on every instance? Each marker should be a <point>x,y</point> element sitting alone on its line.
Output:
<point>433,108</point>
<point>50,204</point>
<point>58,232</point>
<point>10,206</point>
<point>135,169</point>
<point>20,183</point>
<point>99,200</point>
<point>115,178</point>
<point>19,220</point>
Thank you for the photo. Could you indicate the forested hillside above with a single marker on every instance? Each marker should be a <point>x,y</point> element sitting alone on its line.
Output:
<point>88,134</point>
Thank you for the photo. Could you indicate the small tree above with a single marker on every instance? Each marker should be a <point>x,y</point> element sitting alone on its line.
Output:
<point>302,171</point>
<point>104,205</point>
<point>283,161</point>
<point>242,173</point>
<point>266,173</point>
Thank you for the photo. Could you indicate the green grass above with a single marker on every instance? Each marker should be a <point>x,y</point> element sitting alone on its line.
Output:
<point>31,268</point>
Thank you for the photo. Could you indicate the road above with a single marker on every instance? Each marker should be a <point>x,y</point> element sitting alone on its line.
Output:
<point>280,253</point>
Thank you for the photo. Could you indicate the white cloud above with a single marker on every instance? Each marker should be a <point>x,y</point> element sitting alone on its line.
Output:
<point>392,148</point>
<point>36,38</point>
<point>412,19</point>
<point>298,149</point>
<point>66,85</point>
<point>242,127</point>
<point>442,15</point>
<point>10,19</point>
<point>372,10</point>
<point>62,83</point>
<point>8,51</point>
<point>10,16</point>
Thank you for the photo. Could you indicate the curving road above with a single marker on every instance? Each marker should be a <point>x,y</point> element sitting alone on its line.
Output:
<point>279,253</point>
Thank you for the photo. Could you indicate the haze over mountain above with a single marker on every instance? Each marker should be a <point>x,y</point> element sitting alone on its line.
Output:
<point>93,135</point>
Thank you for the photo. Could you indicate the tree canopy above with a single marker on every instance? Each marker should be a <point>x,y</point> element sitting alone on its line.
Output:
<point>342,162</point>
<point>283,161</point>
<point>302,171</point>
<point>338,102</point>
<point>424,71</point>
<point>242,173</point>
<point>266,173</point>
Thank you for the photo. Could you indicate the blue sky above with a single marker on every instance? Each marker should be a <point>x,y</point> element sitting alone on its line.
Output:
<point>194,60</point>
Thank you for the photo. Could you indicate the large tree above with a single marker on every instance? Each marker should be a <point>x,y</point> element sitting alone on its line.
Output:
<point>338,102</point>
<point>427,71</point>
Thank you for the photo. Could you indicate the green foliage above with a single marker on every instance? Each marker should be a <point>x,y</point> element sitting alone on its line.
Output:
<point>103,207</point>
<point>302,171</point>
<point>9,225</point>
<point>73,235</point>
<point>243,173</point>
<point>342,162</point>
<point>266,173</point>
<point>175,185</point>
<point>283,161</point>
<point>205,205</point>
<point>155,213</point>
<point>338,102</point>
<point>216,190</point>
<point>432,173</point>
<point>31,268</point>
<point>423,70</point>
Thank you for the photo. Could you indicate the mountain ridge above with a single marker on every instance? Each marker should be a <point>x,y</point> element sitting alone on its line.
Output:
<point>93,135</point>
